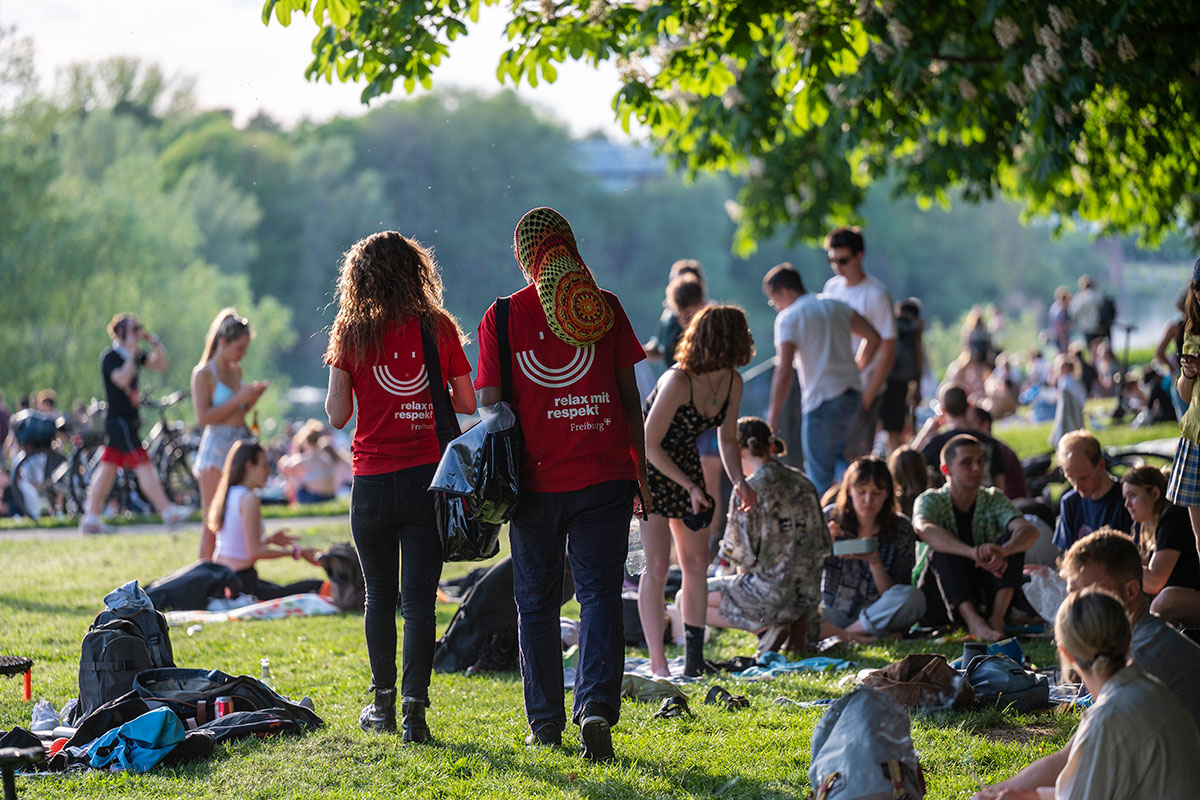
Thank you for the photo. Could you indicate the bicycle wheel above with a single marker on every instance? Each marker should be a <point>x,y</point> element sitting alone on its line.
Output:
<point>80,469</point>
<point>40,488</point>
<point>178,480</point>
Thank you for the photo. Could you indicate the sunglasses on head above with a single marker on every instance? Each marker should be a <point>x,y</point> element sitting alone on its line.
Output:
<point>232,325</point>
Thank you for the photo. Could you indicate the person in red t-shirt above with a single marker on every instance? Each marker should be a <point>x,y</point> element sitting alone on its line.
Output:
<point>576,399</point>
<point>388,291</point>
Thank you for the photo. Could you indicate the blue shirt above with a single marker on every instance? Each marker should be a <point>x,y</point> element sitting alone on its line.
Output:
<point>1078,516</point>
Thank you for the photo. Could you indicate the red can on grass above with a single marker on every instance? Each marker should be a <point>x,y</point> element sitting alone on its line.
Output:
<point>224,706</point>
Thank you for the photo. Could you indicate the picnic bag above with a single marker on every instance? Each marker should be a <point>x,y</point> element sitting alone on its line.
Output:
<point>345,573</point>
<point>1001,682</point>
<point>192,694</point>
<point>111,656</point>
<point>264,724</point>
<point>862,750</point>
<point>477,479</point>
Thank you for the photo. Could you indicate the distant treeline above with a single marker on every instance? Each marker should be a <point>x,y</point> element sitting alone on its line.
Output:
<point>119,195</point>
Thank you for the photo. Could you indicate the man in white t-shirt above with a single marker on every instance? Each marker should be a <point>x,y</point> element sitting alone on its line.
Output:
<point>866,295</point>
<point>812,337</point>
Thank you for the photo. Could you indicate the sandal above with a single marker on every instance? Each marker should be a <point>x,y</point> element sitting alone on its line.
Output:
<point>673,708</point>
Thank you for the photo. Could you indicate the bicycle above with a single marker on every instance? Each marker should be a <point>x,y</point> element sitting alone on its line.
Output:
<point>40,479</point>
<point>170,447</point>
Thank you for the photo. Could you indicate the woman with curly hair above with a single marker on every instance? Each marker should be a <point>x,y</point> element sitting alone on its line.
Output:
<point>701,392</point>
<point>389,294</point>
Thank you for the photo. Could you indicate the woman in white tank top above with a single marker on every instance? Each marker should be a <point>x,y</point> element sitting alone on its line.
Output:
<point>236,516</point>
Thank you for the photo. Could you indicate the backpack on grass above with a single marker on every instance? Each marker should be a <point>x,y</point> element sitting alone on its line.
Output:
<point>1001,682</point>
<point>345,573</point>
<point>862,750</point>
<point>111,656</point>
<point>190,588</point>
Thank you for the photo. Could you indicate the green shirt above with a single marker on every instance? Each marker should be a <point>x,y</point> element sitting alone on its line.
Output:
<point>993,512</point>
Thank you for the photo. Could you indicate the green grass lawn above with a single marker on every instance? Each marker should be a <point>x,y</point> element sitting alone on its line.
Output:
<point>339,507</point>
<point>52,589</point>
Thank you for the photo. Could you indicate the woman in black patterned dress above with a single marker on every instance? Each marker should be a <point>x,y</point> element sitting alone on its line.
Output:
<point>703,391</point>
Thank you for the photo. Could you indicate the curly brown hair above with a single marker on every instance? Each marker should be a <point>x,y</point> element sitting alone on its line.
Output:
<point>716,338</point>
<point>384,278</point>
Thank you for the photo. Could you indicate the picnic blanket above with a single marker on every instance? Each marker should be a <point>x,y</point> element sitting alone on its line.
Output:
<point>294,605</point>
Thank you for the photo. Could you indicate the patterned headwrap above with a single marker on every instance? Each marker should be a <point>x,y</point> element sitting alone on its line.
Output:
<point>575,309</point>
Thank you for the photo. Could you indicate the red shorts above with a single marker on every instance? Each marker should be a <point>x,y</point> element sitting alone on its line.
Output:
<point>124,458</point>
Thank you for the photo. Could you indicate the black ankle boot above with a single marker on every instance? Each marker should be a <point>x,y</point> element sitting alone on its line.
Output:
<point>412,721</point>
<point>380,715</point>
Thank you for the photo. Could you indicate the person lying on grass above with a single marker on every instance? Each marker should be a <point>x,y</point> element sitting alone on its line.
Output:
<point>236,516</point>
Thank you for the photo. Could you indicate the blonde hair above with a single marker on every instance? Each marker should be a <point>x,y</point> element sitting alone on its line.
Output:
<point>226,326</point>
<point>1081,442</point>
<point>1092,627</point>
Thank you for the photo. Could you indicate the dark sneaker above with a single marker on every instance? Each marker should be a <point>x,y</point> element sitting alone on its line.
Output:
<point>545,736</point>
<point>597,739</point>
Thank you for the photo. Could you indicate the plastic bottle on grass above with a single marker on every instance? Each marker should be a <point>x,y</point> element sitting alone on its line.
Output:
<point>635,562</point>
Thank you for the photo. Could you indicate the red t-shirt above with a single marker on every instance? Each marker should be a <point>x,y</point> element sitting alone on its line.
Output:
<point>395,428</point>
<point>565,398</point>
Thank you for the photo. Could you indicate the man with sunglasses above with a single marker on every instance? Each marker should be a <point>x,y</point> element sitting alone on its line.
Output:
<point>119,366</point>
<point>870,298</point>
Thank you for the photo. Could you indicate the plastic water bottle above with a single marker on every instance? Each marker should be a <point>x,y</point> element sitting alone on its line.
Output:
<point>635,562</point>
<point>264,664</point>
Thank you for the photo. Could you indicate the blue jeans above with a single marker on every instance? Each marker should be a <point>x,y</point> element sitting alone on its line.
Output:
<point>825,429</point>
<point>592,525</point>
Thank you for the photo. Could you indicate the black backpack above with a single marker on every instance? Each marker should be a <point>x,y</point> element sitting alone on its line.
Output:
<point>192,694</point>
<point>1000,682</point>
<point>1108,312</point>
<point>190,587</point>
<point>153,627</point>
<point>486,611</point>
<point>111,656</point>
<point>345,577</point>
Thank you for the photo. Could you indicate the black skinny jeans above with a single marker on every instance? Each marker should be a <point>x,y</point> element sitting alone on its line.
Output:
<point>395,531</point>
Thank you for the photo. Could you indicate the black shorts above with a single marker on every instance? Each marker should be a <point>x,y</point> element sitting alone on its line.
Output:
<point>895,410</point>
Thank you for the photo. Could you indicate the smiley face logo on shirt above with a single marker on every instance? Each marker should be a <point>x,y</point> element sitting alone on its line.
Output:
<point>401,388</point>
<point>556,377</point>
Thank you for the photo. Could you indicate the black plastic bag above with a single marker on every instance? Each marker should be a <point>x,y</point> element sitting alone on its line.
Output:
<point>476,484</point>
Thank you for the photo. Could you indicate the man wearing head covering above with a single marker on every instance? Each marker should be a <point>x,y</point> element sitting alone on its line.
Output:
<point>576,399</point>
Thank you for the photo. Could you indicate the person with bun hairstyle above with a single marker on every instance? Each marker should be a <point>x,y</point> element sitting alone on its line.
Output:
<point>236,516</point>
<point>866,596</point>
<point>221,400</point>
<point>701,393</point>
<point>778,545</point>
<point>1135,740</point>
<point>389,298</point>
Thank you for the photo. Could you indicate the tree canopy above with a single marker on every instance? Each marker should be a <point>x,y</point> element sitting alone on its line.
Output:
<point>1083,108</point>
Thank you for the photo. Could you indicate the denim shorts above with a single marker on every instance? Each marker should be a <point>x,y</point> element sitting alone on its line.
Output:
<point>215,444</point>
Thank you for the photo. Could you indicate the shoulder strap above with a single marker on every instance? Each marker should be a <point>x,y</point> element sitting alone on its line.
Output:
<point>728,393</point>
<point>504,349</point>
<point>444,419</point>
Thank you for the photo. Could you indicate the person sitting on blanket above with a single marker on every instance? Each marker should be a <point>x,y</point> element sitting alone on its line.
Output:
<point>236,516</point>
<point>1135,740</point>
<point>865,596</point>
<point>778,546</point>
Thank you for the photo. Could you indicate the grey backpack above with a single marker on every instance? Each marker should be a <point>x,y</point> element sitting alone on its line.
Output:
<point>1001,682</point>
<point>862,750</point>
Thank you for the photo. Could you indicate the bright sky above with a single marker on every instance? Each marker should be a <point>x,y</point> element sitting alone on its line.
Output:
<point>241,64</point>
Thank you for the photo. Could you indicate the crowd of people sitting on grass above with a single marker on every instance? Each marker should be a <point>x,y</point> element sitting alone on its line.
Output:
<point>829,542</point>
